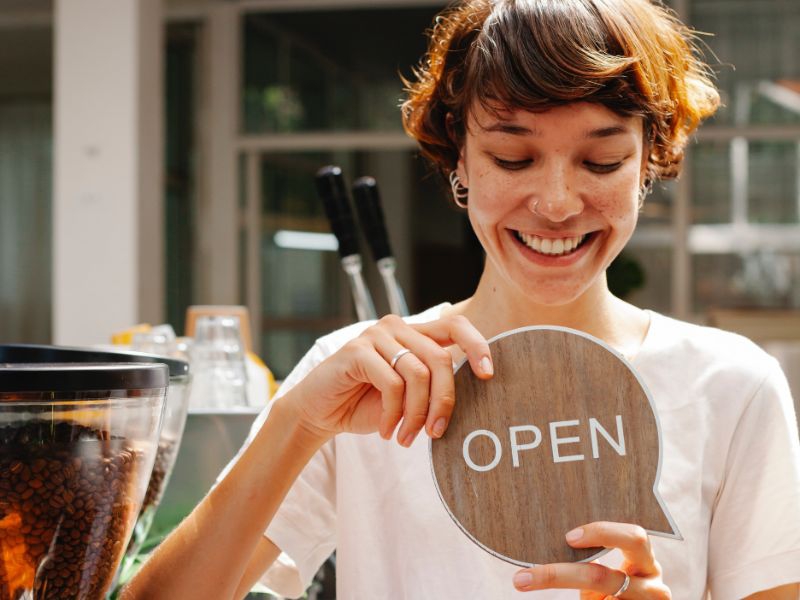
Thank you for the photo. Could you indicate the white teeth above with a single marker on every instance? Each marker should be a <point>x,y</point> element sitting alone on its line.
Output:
<point>551,246</point>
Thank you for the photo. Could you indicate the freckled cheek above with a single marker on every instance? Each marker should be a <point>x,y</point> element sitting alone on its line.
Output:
<point>616,203</point>
<point>490,197</point>
<point>482,219</point>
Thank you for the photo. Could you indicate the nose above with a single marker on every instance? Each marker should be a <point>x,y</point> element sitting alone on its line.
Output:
<point>555,199</point>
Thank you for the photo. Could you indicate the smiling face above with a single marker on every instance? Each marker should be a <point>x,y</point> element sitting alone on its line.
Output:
<point>553,196</point>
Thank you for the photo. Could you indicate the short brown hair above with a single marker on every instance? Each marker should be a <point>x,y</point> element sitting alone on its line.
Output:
<point>633,56</point>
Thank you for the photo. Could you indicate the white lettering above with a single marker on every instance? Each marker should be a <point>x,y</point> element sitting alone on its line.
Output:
<point>515,447</point>
<point>498,450</point>
<point>618,444</point>
<point>555,441</point>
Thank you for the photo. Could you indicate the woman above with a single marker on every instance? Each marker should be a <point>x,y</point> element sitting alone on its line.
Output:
<point>550,118</point>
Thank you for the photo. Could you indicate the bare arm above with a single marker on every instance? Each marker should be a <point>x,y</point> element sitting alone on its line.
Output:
<point>785,592</point>
<point>265,554</point>
<point>220,547</point>
<point>219,550</point>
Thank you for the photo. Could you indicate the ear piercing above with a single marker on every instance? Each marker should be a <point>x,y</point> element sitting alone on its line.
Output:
<point>460,192</point>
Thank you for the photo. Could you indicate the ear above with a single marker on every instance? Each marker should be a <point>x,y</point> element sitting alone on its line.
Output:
<point>461,169</point>
<point>647,144</point>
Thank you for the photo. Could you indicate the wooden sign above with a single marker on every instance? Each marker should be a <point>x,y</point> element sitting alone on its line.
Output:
<point>564,434</point>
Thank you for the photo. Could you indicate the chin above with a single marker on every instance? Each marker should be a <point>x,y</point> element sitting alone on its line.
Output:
<point>557,297</point>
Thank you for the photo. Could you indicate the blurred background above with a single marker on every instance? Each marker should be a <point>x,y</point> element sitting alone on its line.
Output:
<point>151,150</point>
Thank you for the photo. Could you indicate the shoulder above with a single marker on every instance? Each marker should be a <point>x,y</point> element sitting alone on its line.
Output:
<point>703,347</point>
<point>694,362</point>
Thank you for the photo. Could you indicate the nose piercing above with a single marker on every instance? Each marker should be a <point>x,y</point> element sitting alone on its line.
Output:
<point>535,208</point>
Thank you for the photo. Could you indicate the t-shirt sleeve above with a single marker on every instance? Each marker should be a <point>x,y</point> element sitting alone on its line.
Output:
<point>305,524</point>
<point>754,541</point>
<point>304,528</point>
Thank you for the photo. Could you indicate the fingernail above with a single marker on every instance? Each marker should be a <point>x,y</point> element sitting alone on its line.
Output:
<point>575,535</point>
<point>409,439</point>
<point>438,427</point>
<point>523,579</point>
<point>486,366</point>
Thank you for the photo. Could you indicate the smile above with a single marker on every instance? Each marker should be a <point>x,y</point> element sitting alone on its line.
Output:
<point>551,246</point>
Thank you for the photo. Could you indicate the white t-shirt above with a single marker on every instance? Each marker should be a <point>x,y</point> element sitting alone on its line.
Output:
<point>730,478</point>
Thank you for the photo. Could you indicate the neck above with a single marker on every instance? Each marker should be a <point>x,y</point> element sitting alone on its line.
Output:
<point>493,309</point>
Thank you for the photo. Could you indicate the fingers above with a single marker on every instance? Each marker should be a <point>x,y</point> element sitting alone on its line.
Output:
<point>640,564</point>
<point>427,372</point>
<point>416,375</point>
<point>432,394</point>
<point>377,372</point>
<point>453,330</point>
<point>458,330</point>
<point>590,577</point>
<point>573,576</point>
<point>632,540</point>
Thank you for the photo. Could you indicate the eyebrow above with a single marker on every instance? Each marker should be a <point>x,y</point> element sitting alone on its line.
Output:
<point>513,129</point>
<point>604,132</point>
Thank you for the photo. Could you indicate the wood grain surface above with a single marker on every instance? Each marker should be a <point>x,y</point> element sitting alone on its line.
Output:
<point>521,513</point>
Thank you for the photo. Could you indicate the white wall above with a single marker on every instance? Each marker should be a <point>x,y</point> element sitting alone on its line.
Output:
<point>107,201</point>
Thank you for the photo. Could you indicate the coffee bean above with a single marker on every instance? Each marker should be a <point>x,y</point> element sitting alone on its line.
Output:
<point>162,468</point>
<point>165,459</point>
<point>64,516</point>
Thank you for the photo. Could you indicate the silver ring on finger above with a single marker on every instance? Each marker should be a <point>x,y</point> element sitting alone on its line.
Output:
<point>400,354</point>
<point>624,587</point>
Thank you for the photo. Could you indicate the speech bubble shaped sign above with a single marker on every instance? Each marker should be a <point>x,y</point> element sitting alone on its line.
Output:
<point>564,434</point>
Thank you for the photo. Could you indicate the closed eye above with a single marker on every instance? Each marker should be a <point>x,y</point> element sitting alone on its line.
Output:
<point>511,165</point>
<point>603,167</point>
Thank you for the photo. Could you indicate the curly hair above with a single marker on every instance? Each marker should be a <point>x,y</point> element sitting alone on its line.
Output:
<point>632,56</point>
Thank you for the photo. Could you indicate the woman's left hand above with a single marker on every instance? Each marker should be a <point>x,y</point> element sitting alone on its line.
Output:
<point>595,581</point>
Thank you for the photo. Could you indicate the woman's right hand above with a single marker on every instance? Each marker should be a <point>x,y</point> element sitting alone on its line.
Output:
<point>356,390</point>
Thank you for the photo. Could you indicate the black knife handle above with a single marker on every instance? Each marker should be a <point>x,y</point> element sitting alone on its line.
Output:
<point>370,213</point>
<point>332,192</point>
